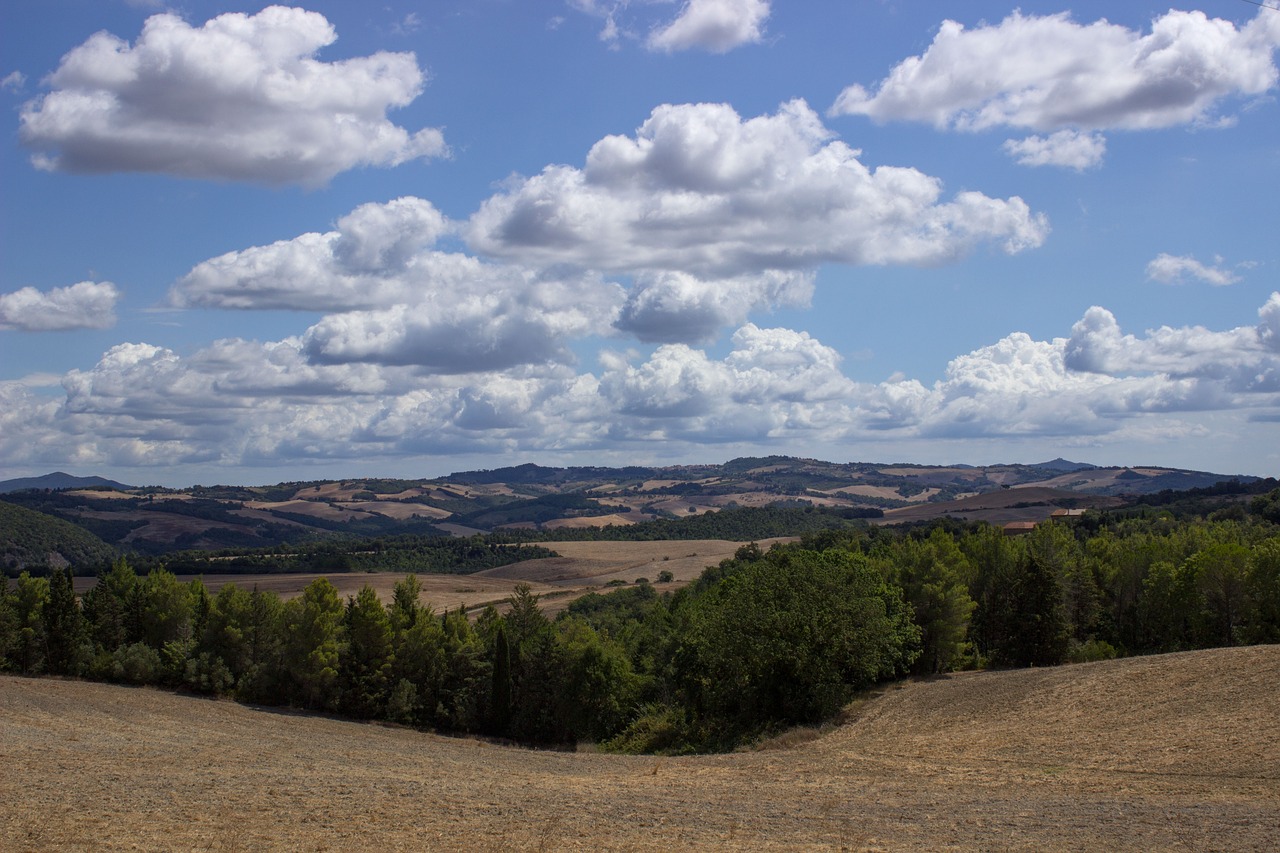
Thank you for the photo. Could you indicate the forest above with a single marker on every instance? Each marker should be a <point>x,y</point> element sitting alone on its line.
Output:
<point>759,643</point>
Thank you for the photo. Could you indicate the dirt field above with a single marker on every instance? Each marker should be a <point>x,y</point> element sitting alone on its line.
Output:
<point>582,567</point>
<point>1178,752</point>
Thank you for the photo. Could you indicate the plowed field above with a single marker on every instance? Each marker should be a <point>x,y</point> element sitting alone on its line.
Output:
<point>1177,752</point>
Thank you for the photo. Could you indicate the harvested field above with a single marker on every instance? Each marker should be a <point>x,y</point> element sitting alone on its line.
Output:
<point>439,591</point>
<point>582,567</point>
<point>1177,752</point>
<point>601,562</point>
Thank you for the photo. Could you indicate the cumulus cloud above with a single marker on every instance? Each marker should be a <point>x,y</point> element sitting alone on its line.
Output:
<point>87,305</point>
<point>1236,361</point>
<point>241,402</point>
<point>240,98</point>
<point>717,26</point>
<point>1172,269</point>
<point>672,307</point>
<point>396,300</point>
<point>701,191</point>
<point>1051,73</point>
<point>1067,148</point>
<point>13,81</point>
<point>494,324</point>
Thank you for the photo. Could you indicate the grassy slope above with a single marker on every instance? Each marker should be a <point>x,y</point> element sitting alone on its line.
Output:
<point>1171,752</point>
<point>27,538</point>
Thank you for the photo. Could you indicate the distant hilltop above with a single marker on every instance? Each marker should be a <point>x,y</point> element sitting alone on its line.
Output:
<point>59,480</point>
<point>538,499</point>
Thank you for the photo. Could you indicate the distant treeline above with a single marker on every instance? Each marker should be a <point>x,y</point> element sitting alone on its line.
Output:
<point>762,641</point>
<point>433,554</point>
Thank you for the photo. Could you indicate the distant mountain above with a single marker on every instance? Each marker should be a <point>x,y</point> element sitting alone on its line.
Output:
<point>1061,464</point>
<point>58,480</point>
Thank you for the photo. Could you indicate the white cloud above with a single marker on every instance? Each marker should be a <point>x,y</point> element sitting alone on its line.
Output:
<point>713,25</point>
<point>86,305</point>
<point>398,301</point>
<point>698,190</point>
<point>13,81</point>
<point>1172,269</point>
<point>240,98</point>
<point>378,255</point>
<point>672,307</point>
<point>1067,148</point>
<point>1237,361</point>
<point>492,324</point>
<point>243,403</point>
<point>1050,73</point>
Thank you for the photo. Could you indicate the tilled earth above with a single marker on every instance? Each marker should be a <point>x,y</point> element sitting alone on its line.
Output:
<point>1176,752</point>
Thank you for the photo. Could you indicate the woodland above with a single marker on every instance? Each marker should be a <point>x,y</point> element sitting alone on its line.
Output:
<point>761,642</point>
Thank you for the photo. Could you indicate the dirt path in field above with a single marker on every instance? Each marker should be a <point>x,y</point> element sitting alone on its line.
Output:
<point>1178,752</point>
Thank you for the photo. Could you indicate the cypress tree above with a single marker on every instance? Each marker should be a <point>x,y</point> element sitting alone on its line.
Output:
<point>500,697</point>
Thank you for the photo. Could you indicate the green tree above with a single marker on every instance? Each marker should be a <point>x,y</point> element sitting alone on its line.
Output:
<point>107,610</point>
<point>932,577</point>
<point>1262,586</point>
<point>500,693</point>
<point>788,639</point>
<point>1043,634</point>
<point>27,654</point>
<point>365,661</point>
<point>601,689</point>
<point>8,624</point>
<point>62,625</point>
<point>313,632</point>
<point>1220,573</point>
<point>244,634</point>
<point>463,695</point>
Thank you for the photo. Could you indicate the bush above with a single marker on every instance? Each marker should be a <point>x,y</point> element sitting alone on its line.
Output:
<point>136,663</point>
<point>1090,651</point>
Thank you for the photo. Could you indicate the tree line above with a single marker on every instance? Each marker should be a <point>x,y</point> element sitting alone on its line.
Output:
<point>762,641</point>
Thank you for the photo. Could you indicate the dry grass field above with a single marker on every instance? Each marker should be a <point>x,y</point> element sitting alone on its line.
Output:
<point>1177,752</point>
<point>582,567</point>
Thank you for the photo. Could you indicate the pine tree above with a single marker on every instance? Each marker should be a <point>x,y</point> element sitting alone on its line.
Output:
<point>365,666</point>
<point>61,616</point>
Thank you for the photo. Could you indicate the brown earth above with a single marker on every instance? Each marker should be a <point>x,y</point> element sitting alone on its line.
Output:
<point>1176,752</point>
<point>1000,507</point>
<point>582,567</point>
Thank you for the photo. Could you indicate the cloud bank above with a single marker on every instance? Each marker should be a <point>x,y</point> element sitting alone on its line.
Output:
<point>240,402</point>
<point>240,98</point>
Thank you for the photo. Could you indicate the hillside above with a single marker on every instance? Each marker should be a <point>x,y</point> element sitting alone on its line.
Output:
<point>30,539</point>
<point>534,498</point>
<point>1170,752</point>
<point>58,480</point>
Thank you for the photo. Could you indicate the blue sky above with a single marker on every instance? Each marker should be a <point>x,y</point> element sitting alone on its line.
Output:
<point>245,244</point>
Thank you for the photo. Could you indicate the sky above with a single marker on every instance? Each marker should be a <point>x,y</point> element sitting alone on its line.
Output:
<point>247,244</point>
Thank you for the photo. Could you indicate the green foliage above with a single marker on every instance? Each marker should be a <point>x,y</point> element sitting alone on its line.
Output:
<point>63,625</point>
<point>313,644</point>
<point>788,639</point>
<point>28,538</point>
<point>932,574</point>
<point>365,661</point>
<point>761,641</point>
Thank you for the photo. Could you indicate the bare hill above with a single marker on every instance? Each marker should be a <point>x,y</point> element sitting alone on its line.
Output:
<point>1163,753</point>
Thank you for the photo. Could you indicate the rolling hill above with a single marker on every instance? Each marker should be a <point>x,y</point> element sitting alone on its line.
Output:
<point>538,498</point>
<point>1173,752</point>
